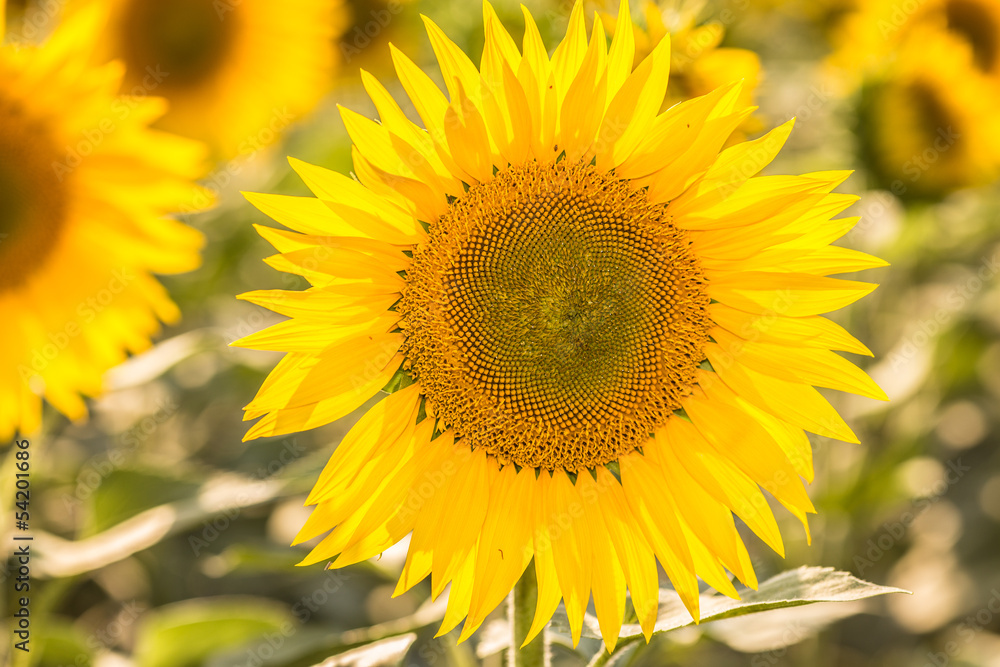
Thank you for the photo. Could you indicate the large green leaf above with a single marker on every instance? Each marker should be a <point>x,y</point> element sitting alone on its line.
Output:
<point>187,634</point>
<point>805,585</point>
<point>125,492</point>
<point>60,643</point>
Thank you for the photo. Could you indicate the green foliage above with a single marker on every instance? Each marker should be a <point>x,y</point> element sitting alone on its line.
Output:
<point>187,633</point>
<point>125,493</point>
<point>794,588</point>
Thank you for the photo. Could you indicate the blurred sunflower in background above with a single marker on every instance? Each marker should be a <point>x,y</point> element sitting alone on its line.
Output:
<point>929,75</point>
<point>872,32</point>
<point>699,64</point>
<point>235,72</point>
<point>85,185</point>
<point>366,29</point>
<point>933,124</point>
<point>599,334</point>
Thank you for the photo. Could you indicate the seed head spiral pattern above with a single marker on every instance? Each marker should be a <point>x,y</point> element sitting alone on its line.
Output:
<point>555,317</point>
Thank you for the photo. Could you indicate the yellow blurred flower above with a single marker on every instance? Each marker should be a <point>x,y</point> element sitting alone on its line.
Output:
<point>870,38</point>
<point>932,124</point>
<point>236,72</point>
<point>929,72</point>
<point>84,186</point>
<point>698,64</point>
<point>601,331</point>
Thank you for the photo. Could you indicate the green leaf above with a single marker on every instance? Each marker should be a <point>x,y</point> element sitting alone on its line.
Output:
<point>125,492</point>
<point>60,643</point>
<point>186,634</point>
<point>388,651</point>
<point>805,585</point>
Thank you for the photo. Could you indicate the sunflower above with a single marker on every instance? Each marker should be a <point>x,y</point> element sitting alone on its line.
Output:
<point>932,124</point>
<point>236,72</point>
<point>699,65</point>
<point>598,334</point>
<point>873,34</point>
<point>929,79</point>
<point>85,185</point>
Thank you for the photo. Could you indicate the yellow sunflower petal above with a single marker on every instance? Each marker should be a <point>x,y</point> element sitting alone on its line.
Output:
<point>795,402</point>
<point>570,541</point>
<point>88,191</point>
<point>634,552</point>
<point>633,109</point>
<point>505,544</point>
<point>657,514</point>
<point>458,71</point>
<point>549,588</point>
<point>788,294</point>
<point>570,52</point>
<point>821,368</point>
<point>710,521</point>
<point>622,51</point>
<point>723,480</point>
<point>460,595</point>
<point>811,331</point>
<point>553,231</point>
<point>383,423</point>
<point>467,499</point>
<point>609,580</point>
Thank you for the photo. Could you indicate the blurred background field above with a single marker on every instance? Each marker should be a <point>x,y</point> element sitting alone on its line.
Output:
<point>162,539</point>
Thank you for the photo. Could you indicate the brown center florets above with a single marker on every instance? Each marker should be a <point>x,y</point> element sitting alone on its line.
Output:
<point>33,197</point>
<point>555,317</point>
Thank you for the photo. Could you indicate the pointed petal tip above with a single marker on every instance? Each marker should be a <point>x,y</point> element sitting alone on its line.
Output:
<point>443,630</point>
<point>468,630</point>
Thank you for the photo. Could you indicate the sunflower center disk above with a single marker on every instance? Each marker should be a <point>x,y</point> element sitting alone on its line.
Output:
<point>555,317</point>
<point>180,43</point>
<point>32,195</point>
<point>974,20</point>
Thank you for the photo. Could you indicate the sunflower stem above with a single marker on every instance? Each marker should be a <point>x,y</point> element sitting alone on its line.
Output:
<point>521,610</point>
